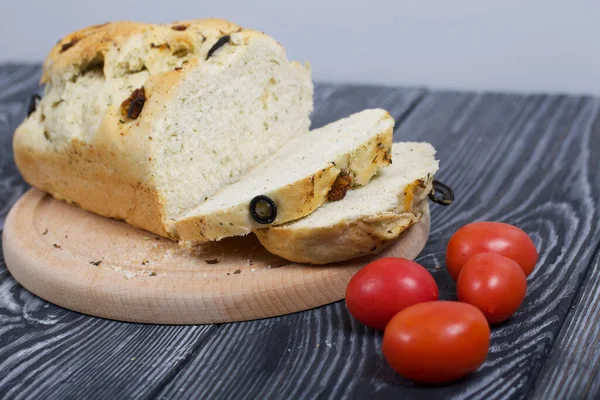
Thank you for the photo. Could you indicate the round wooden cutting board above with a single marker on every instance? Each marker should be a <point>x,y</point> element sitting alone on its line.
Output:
<point>106,268</point>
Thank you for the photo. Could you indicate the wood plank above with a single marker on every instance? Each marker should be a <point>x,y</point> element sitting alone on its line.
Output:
<point>510,158</point>
<point>573,367</point>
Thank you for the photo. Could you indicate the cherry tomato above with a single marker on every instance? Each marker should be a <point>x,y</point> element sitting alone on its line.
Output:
<point>495,237</point>
<point>494,284</point>
<point>384,287</point>
<point>437,341</point>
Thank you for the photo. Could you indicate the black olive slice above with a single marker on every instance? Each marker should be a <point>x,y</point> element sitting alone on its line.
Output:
<point>441,194</point>
<point>33,101</point>
<point>263,209</point>
<point>220,43</point>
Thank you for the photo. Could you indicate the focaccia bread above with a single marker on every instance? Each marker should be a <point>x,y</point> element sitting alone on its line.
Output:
<point>367,220</point>
<point>306,172</point>
<point>143,122</point>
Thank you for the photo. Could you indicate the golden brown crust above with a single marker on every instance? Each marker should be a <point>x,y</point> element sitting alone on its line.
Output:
<point>93,177</point>
<point>347,239</point>
<point>76,51</point>
<point>81,47</point>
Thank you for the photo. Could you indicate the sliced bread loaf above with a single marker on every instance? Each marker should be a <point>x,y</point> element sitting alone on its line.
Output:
<point>367,220</point>
<point>298,179</point>
<point>142,122</point>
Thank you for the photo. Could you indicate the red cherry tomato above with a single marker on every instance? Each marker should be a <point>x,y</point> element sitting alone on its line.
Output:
<point>495,237</point>
<point>494,284</point>
<point>436,342</point>
<point>384,287</point>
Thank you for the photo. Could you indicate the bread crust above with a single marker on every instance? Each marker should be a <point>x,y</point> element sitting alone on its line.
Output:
<point>105,176</point>
<point>110,175</point>
<point>293,201</point>
<point>77,50</point>
<point>348,239</point>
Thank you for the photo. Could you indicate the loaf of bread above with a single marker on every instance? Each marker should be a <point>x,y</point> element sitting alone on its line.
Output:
<point>367,220</point>
<point>144,122</point>
<point>299,178</point>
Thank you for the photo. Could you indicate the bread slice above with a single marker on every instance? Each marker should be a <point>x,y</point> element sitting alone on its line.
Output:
<point>299,177</point>
<point>367,220</point>
<point>142,122</point>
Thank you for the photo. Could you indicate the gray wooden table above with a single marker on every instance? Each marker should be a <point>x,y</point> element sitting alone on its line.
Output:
<point>529,160</point>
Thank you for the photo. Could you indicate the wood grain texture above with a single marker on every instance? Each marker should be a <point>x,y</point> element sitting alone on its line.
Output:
<point>509,158</point>
<point>573,367</point>
<point>106,268</point>
<point>527,160</point>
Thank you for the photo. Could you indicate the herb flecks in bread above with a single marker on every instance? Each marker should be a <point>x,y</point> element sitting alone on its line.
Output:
<point>203,124</point>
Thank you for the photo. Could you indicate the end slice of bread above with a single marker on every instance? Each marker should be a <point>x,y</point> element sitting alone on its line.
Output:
<point>298,178</point>
<point>211,101</point>
<point>367,220</point>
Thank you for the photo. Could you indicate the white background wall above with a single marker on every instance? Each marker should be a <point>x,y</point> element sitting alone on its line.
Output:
<point>510,45</point>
